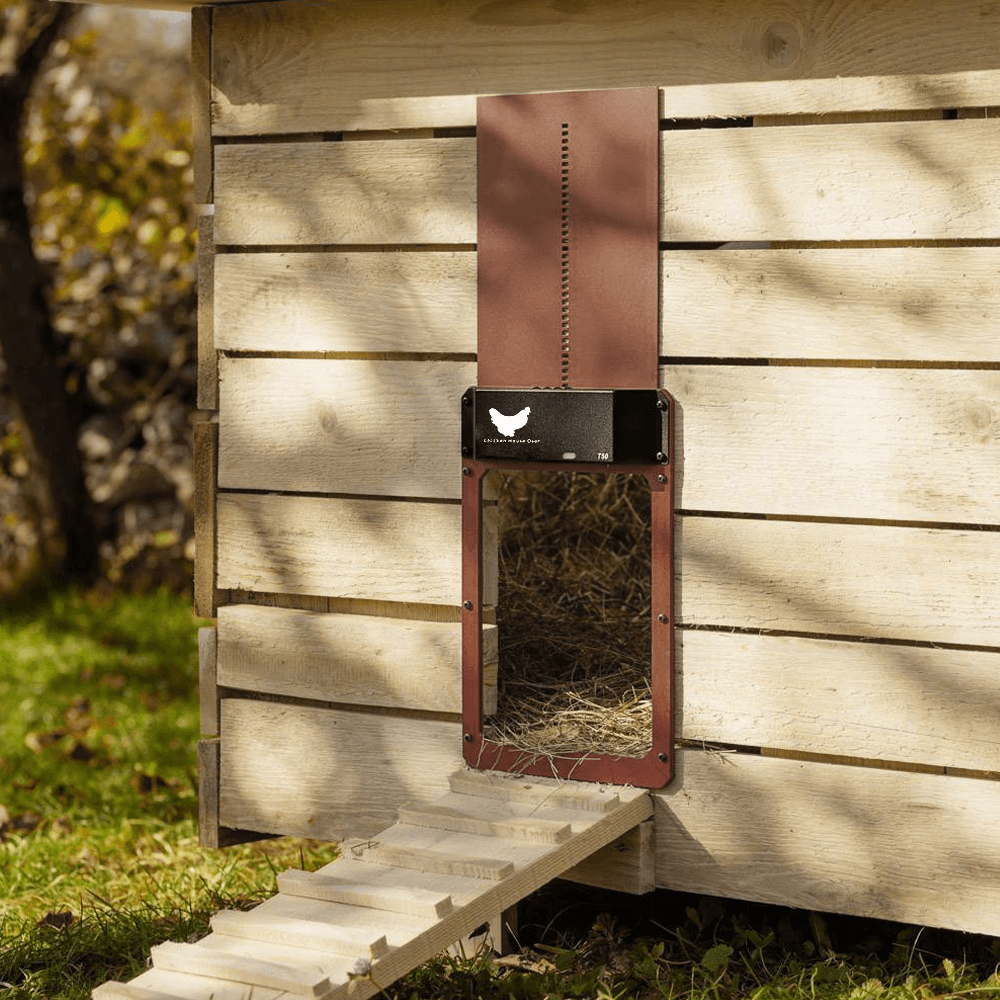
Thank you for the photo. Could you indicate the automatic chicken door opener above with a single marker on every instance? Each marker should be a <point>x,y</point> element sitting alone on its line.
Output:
<point>568,306</point>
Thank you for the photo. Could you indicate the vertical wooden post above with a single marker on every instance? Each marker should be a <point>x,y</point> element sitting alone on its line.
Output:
<point>206,450</point>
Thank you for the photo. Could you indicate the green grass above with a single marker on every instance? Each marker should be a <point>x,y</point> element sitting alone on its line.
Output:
<point>97,776</point>
<point>99,857</point>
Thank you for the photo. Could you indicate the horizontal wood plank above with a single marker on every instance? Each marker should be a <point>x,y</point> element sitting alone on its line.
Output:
<point>931,585</point>
<point>424,903</point>
<point>393,551</point>
<point>534,831</point>
<point>908,304</point>
<point>345,426</point>
<point>353,659</point>
<point>312,772</point>
<point>840,579</point>
<point>867,700</point>
<point>887,844</point>
<point>406,191</point>
<point>194,959</point>
<point>873,701</point>
<point>867,181</point>
<point>870,181</point>
<point>912,303</point>
<point>303,67</point>
<point>917,445</point>
<point>788,440</point>
<point>266,927</point>
<point>413,302</point>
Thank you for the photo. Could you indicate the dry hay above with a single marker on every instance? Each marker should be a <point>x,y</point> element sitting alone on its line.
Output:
<point>573,613</point>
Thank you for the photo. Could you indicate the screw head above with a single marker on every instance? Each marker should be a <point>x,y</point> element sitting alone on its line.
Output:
<point>661,456</point>
<point>466,471</point>
<point>661,478</point>
<point>661,404</point>
<point>467,605</point>
<point>662,619</point>
<point>467,737</point>
<point>466,401</point>
<point>662,758</point>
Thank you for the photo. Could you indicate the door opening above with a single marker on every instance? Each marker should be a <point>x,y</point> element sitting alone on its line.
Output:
<point>573,612</point>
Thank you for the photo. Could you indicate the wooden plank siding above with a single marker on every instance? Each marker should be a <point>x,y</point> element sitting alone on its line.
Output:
<point>898,583</point>
<point>345,302</point>
<point>293,67</point>
<point>328,773</point>
<point>800,833</point>
<point>828,329</point>
<point>348,658</point>
<point>829,442</point>
<point>922,180</point>
<point>915,303</point>
<point>874,701</point>
<point>883,702</point>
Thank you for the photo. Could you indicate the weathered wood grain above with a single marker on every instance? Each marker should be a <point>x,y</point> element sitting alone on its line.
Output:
<point>627,865</point>
<point>788,440</point>
<point>201,961</point>
<point>342,426</point>
<point>868,181</point>
<point>208,374</point>
<point>394,551</point>
<point>817,836</point>
<point>208,793</point>
<point>871,701</point>
<point>206,455</point>
<point>312,772</point>
<point>912,303</point>
<point>201,100</point>
<point>840,579</point>
<point>210,833</point>
<point>408,191</point>
<point>412,302</point>
<point>426,903</point>
<point>853,442</point>
<point>303,67</point>
<point>208,690</point>
<point>352,659</point>
<point>874,701</point>
<point>886,844</point>
<point>931,585</point>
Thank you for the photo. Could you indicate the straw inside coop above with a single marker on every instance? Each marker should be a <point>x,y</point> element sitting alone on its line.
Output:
<point>573,613</point>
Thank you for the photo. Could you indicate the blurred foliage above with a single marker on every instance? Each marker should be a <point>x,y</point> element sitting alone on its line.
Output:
<point>107,154</point>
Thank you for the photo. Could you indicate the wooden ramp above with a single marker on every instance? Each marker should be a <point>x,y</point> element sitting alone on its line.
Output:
<point>390,903</point>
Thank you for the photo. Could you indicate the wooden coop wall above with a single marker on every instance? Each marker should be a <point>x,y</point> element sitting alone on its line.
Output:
<point>837,372</point>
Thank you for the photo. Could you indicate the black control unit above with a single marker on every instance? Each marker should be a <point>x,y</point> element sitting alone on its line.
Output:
<point>613,426</point>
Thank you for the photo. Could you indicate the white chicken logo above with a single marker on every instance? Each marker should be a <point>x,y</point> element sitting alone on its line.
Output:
<point>508,425</point>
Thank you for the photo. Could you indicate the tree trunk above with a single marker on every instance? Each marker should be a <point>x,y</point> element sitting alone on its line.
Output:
<point>27,340</point>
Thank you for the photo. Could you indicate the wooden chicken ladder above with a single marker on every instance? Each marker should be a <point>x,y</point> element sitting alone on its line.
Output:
<point>390,903</point>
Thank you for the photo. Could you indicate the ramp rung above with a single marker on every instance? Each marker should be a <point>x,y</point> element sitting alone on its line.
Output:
<point>414,902</point>
<point>534,831</point>
<point>589,798</point>
<point>354,942</point>
<point>196,961</point>
<point>421,885</point>
<point>440,862</point>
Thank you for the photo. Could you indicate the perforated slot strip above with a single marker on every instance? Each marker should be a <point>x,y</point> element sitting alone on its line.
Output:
<point>564,216</point>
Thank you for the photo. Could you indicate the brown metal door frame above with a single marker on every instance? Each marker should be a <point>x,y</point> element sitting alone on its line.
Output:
<point>568,297</point>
